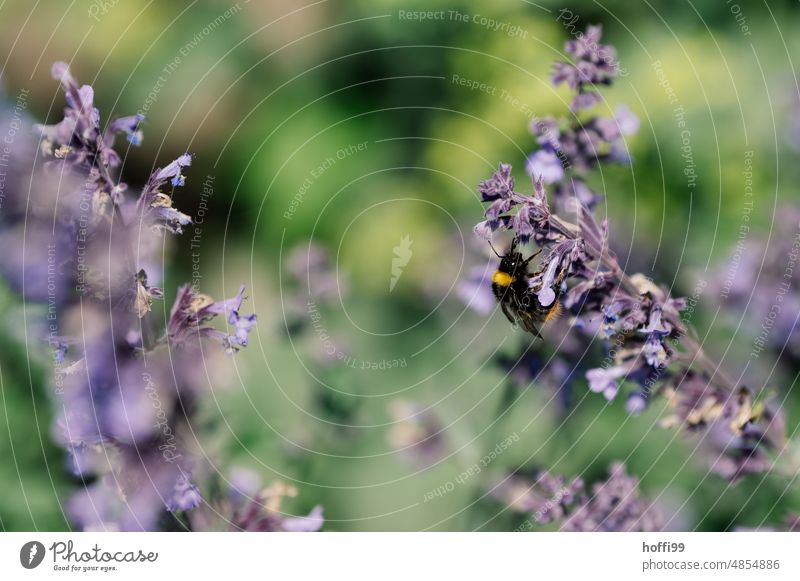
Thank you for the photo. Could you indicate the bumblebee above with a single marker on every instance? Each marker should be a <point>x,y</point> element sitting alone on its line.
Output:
<point>520,305</point>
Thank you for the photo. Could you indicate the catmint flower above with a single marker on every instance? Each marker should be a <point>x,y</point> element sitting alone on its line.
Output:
<point>760,281</point>
<point>192,311</point>
<point>639,320</point>
<point>475,290</point>
<point>572,146</point>
<point>499,186</point>
<point>555,373</point>
<point>612,505</point>
<point>417,432</point>
<point>592,64</point>
<point>155,207</point>
<point>126,394</point>
<point>545,165</point>
<point>185,495</point>
<point>615,505</point>
<point>529,212</point>
<point>548,498</point>
<point>249,506</point>
<point>736,432</point>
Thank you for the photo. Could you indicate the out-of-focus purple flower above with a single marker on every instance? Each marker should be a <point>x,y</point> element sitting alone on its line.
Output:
<point>735,431</point>
<point>185,495</point>
<point>548,498</point>
<point>627,122</point>
<point>133,499</point>
<point>555,373</point>
<point>636,402</point>
<point>546,166</point>
<point>612,505</point>
<point>313,284</point>
<point>417,432</point>
<point>790,524</point>
<point>592,64</point>
<point>124,395</point>
<point>758,280</point>
<point>615,505</point>
<point>250,506</point>
<point>476,289</point>
<point>606,380</point>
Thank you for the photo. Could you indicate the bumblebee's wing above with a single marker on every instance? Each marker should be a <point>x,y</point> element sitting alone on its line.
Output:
<point>527,322</point>
<point>507,312</point>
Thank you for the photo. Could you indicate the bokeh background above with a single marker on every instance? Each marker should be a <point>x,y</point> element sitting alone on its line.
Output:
<point>344,123</point>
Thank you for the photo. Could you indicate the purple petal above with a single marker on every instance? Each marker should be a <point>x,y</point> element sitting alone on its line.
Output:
<point>546,166</point>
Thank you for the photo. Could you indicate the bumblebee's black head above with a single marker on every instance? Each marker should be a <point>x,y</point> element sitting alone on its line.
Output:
<point>512,262</point>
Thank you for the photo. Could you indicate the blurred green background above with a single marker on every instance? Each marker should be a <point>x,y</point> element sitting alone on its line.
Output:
<point>264,92</point>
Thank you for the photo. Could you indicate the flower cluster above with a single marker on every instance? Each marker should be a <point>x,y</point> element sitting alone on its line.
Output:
<point>92,255</point>
<point>593,64</point>
<point>761,279</point>
<point>612,505</point>
<point>737,433</point>
<point>250,506</point>
<point>417,432</point>
<point>640,323</point>
<point>640,320</point>
<point>571,146</point>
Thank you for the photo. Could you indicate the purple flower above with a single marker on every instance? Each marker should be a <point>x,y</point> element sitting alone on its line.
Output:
<point>476,289</point>
<point>192,312</point>
<point>755,280</point>
<point>251,507</point>
<point>155,207</point>
<point>545,165</point>
<point>736,432</point>
<point>548,498</point>
<point>125,396</point>
<point>612,505</point>
<point>417,433</point>
<point>500,185</point>
<point>636,402</point>
<point>185,495</point>
<point>593,64</point>
<point>615,505</point>
<point>606,380</point>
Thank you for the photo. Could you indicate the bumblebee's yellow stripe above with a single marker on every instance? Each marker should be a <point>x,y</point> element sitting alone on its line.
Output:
<point>502,278</point>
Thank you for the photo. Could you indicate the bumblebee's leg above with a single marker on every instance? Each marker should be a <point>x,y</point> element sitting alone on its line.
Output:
<point>561,275</point>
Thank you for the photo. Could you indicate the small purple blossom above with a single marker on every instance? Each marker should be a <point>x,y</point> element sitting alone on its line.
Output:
<point>192,312</point>
<point>545,165</point>
<point>499,186</point>
<point>612,505</point>
<point>185,495</point>
<point>156,207</point>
